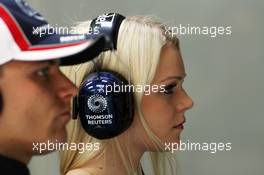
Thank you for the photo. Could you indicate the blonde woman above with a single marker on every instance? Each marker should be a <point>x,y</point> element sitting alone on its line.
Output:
<point>147,55</point>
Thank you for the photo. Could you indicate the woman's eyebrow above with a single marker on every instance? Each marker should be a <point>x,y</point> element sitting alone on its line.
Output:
<point>173,77</point>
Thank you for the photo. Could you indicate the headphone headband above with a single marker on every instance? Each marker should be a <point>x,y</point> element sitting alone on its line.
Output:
<point>108,24</point>
<point>105,109</point>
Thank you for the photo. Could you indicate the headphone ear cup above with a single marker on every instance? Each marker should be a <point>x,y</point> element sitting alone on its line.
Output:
<point>130,108</point>
<point>105,115</point>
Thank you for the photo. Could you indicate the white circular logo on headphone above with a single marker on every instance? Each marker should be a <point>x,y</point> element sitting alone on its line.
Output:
<point>97,103</point>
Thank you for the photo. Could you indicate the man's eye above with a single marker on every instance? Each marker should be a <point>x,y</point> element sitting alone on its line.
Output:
<point>169,89</point>
<point>44,72</point>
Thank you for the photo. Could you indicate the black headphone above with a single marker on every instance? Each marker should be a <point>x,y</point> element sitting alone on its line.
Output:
<point>104,110</point>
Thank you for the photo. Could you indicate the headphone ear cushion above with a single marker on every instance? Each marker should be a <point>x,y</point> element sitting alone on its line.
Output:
<point>105,115</point>
<point>75,107</point>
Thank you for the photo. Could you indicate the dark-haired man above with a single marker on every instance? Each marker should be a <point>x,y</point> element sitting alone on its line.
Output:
<point>34,95</point>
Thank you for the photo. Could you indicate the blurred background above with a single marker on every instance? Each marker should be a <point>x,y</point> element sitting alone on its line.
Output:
<point>225,77</point>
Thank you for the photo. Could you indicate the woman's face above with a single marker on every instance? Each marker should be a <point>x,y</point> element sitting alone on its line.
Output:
<point>164,110</point>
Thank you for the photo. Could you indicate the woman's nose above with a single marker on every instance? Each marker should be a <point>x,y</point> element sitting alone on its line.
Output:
<point>188,102</point>
<point>185,102</point>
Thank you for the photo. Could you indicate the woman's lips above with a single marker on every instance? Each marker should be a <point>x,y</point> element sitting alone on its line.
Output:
<point>180,126</point>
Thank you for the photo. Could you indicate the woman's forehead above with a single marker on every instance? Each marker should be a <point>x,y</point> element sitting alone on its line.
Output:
<point>170,63</point>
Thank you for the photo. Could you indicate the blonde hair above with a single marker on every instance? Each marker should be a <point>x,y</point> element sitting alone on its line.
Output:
<point>139,44</point>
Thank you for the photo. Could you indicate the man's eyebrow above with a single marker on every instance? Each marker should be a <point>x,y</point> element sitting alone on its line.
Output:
<point>41,64</point>
<point>52,62</point>
<point>48,63</point>
<point>173,77</point>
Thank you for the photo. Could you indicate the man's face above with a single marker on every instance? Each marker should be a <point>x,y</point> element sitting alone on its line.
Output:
<point>36,97</point>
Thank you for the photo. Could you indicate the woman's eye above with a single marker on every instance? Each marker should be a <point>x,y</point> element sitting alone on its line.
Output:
<point>169,89</point>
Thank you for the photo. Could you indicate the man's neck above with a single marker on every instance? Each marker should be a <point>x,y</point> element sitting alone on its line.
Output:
<point>14,151</point>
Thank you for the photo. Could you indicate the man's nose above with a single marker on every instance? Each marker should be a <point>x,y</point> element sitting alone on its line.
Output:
<point>67,89</point>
